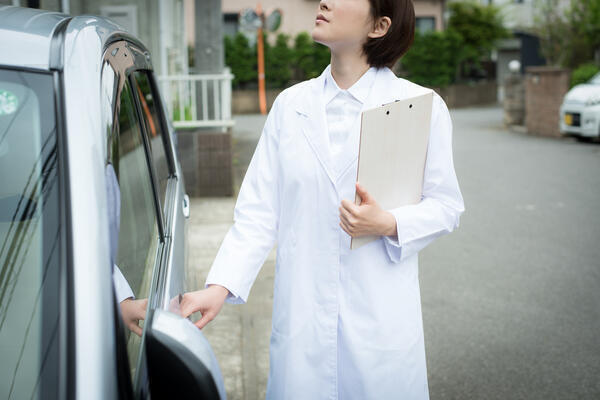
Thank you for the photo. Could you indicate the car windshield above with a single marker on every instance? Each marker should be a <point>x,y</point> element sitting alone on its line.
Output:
<point>596,79</point>
<point>29,236</point>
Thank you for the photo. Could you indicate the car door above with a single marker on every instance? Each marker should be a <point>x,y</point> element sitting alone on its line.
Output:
<point>151,240</point>
<point>173,202</point>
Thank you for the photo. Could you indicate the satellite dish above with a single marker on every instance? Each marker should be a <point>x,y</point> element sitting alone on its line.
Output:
<point>273,21</point>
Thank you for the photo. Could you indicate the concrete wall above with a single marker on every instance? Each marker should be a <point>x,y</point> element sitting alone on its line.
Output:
<point>545,88</point>
<point>469,95</point>
<point>246,101</point>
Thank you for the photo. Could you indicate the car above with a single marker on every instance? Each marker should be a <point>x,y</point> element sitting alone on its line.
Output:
<point>79,104</point>
<point>580,110</point>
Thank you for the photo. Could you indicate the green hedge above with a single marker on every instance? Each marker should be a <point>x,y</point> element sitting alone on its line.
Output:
<point>435,58</point>
<point>284,62</point>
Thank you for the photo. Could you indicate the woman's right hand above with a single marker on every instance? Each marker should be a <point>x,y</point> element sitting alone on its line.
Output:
<point>208,301</point>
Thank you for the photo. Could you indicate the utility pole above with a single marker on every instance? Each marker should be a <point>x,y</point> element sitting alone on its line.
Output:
<point>209,54</point>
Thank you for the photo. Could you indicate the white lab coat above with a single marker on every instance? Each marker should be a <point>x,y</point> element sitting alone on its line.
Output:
<point>346,324</point>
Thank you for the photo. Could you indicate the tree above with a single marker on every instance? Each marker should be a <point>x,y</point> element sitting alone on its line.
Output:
<point>310,57</point>
<point>241,58</point>
<point>479,27</point>
<point>278,62</point>
<point>569,36</point>
<point>433,58</point>
<point>552,29</point>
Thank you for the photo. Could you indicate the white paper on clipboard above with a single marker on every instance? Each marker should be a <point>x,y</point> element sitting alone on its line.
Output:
<point>392,153</point>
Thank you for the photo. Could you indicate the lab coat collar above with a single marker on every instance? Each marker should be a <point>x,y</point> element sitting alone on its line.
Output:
<point>310,104</point>
<point>359,90</point>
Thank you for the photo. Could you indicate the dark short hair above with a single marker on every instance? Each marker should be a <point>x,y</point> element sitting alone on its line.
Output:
<point>386,50</point>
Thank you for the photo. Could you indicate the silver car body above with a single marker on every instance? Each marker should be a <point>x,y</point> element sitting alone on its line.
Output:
<point>73,50</point>
<point>580,110</point>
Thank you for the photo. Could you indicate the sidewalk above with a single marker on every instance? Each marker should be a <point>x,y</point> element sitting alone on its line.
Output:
<point>240,333</point>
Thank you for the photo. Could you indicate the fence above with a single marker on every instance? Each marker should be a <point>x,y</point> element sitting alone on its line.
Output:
<point>198,101</point>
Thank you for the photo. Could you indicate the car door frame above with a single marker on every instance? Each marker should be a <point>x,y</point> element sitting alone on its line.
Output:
<point>139,60</point>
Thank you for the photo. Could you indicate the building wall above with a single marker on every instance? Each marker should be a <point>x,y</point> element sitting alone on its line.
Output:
<point>299,15</point>
<point>519,14</point>
<point>168,48</point>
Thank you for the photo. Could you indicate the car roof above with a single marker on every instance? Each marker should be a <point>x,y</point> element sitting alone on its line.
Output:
<point>28,35</point>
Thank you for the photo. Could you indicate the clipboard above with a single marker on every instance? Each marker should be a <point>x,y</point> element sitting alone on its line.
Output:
<point>392,153</point>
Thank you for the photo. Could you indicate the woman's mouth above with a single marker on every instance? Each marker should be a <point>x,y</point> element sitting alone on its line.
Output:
<point>321,18</point>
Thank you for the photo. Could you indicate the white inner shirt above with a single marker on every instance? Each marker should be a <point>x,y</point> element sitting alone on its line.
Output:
<point>343,108</point>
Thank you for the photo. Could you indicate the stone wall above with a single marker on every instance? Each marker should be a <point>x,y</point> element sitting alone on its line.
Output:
<point>545,88</point>
<point>460,95</point>
<point>514,100</point>
<point>469,95</point>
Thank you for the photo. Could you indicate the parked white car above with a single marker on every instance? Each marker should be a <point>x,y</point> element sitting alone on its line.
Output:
<point>580,110</point>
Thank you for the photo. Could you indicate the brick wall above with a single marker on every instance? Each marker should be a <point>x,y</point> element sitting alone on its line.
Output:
<point>205,159</point>
<point>545,88</point>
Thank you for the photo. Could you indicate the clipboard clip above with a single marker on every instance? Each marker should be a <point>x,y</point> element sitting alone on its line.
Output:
<point>395,101</point>
<point>390,102</point>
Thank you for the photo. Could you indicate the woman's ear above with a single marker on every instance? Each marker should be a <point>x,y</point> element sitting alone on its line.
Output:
<point>380,28</point>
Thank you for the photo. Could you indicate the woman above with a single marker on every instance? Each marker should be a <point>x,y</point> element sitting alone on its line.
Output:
<point>346,324</point>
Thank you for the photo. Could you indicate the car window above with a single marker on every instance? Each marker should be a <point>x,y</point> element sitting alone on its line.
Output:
<point>138,235</point>
<point>154,128</point>
<point>30,237</point>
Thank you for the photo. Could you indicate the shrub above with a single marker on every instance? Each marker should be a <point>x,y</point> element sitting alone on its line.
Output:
<point>278,62</point>
<point>584,73</point>
<point>433,58</point>
<point>241,59</point>
<point>310,57</point>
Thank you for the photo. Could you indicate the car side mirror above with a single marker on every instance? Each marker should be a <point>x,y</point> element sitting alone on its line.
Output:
<point>181,363</point>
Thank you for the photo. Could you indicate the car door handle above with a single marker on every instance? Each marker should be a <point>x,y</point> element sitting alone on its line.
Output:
<point>185,207</point>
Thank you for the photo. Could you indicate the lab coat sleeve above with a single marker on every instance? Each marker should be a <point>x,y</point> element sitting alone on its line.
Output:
<point>441,204</point>
<point>253,234</point>
<point>122,288</point>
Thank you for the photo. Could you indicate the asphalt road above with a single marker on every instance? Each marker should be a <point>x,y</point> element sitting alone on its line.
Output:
<point>511,300</point>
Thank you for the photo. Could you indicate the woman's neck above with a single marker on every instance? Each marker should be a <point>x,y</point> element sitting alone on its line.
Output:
<point>347,67</point>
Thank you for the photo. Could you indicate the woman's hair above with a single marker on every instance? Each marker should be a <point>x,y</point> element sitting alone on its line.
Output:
<point>386,50</point>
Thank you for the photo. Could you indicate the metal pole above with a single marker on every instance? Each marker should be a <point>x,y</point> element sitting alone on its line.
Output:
<point>64,6</point>
<point>262,98</point>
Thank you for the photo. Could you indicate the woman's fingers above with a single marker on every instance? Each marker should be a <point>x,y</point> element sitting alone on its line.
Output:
<point>188,305</point>
<point>346,228</point>
<point>140,310</point>
<point>350,207</point>
<point>206,318</point>
<point>346,217</point>
<point>365,197</point>
<point>135,328</point>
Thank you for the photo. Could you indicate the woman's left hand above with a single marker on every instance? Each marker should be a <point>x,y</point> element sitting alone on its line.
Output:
<point>367,218</point>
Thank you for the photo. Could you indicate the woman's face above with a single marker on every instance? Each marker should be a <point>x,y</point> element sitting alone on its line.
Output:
<point>342,23</point>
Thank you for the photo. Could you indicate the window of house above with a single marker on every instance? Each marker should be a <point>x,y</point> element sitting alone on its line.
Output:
<point>425,24</point>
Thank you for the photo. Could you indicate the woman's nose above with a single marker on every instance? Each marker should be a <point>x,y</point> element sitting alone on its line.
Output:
<point>323,5</point>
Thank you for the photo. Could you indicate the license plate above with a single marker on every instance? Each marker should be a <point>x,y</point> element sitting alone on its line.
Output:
<point>569,119</point>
